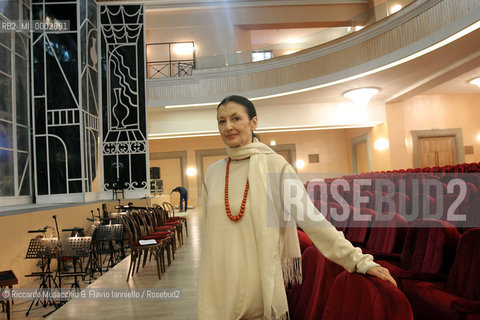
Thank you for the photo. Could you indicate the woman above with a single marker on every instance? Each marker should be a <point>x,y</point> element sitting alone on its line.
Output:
<point>245,260</point>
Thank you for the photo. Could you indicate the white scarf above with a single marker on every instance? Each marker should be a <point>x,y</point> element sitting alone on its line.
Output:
<point>267,237</point>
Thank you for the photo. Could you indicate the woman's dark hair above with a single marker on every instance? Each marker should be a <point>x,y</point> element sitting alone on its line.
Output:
<point>241,101</point>
<point>247,104</point>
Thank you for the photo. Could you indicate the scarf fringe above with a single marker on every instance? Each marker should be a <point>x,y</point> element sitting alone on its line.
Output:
<point>284,316</point>
<point>292,271</point>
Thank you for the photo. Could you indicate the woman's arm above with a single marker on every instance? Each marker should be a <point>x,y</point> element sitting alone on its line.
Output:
<point>326,238</point>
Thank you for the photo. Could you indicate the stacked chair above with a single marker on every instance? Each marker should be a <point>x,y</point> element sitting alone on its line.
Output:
<point>151,233</point>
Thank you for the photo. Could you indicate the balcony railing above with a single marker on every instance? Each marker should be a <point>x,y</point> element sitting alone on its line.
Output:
<point>170,59</point>
<point>175,67</point>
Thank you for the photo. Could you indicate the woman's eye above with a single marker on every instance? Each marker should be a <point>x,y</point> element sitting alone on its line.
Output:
<point>221,121</point>
<point>236,118</point>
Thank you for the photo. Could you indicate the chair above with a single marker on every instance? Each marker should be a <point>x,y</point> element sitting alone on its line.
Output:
<point>170,211</point>
<point>147,223</point>
<point>421,206</point>
<point>386,236</point>
<point>359,230</point>
<point>342,218</point>
<point>137,250</point>
<point>429,249</point>
<point>402,203</point>
<point>355,296</point>
<point>459,297</point>
<point>163,225</point>
<point>307,300</point>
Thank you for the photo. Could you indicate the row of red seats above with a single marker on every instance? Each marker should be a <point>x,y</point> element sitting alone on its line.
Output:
<point>463,167</point>
<point>457,202</point>
<point>329,292</point>
<point>437,286</point>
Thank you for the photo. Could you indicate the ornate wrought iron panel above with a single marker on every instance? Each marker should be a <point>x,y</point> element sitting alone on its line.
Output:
<point>66,113</point>
<point>123,97</point>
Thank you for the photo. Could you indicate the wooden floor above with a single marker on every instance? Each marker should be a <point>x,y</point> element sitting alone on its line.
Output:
<point>182,274</point>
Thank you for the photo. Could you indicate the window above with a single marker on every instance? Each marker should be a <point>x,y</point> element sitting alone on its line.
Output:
<point>261,55</point>
<point>14,107</point>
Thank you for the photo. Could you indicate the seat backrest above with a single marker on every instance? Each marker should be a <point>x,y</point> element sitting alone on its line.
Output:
<point>307,300</point>
<point>355,296</point>
<point>464,277</point>
<point>473,215</point>
<point>429,246</point>
<point>421,205</point>
<point>359,227</point>
<point>340,219</point>
<point>402,203</point>
<point>387,236</point>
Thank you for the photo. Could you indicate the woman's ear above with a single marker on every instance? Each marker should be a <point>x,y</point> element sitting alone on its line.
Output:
<point>254,123</point>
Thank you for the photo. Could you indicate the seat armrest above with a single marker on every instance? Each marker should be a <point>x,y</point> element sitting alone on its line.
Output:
<point>423,276</point>
<point>384,255</point>
<point>466,306</point>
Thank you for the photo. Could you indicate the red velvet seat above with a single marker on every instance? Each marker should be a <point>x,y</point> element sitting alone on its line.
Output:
<point>386,235</point>
<point>421,206</point>
<point>402,203</point>
<point>359,227</point>
<point>340,219</point>
<point>429,248</point>
<point>355,296</point>
<point>376,203</point>
<point>307,301</point>
<point>459,297</point>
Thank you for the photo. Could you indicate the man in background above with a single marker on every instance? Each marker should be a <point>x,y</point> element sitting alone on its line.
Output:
<point>183,196</point>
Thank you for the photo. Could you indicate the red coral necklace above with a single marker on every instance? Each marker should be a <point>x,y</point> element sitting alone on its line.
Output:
<point>245,193</point>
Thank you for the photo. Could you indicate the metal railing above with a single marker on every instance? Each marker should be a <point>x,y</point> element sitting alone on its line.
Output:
<point>164,62</point>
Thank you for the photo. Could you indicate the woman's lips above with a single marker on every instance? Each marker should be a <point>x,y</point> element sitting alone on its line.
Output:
<point>230,136</point>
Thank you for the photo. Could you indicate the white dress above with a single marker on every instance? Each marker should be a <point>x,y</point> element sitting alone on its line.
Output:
<point>229,279</point>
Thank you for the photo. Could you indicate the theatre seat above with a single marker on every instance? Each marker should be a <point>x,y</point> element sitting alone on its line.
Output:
<point>307,300</point>
<point>459,297</point>
<point>428,250</point>
<point>359,297</point>
<point>386,236</point>
<point>359,228</point>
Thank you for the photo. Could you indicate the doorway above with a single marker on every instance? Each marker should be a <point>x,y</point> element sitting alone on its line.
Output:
<point>438,147</point>
<point>361,156</point>
<point>437,151</point>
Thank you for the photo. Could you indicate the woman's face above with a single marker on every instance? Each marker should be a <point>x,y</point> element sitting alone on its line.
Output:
<point>234,125</point>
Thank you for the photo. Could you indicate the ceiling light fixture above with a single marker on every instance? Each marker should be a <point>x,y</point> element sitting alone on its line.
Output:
<point>361,96</point>
<point>475,82</point>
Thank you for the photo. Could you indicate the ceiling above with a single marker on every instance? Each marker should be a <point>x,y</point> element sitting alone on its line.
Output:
<point>446,70</point>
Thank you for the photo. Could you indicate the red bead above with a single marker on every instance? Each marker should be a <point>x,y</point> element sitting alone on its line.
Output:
<point>244,200</point>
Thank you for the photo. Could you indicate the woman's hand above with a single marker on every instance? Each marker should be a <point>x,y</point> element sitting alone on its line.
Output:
<point>382,273</point>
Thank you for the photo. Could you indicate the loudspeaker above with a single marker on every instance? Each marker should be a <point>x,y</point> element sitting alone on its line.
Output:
<point>154,172</point>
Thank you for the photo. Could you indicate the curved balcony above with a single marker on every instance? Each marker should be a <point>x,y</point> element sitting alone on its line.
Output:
<point>418,28</point>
